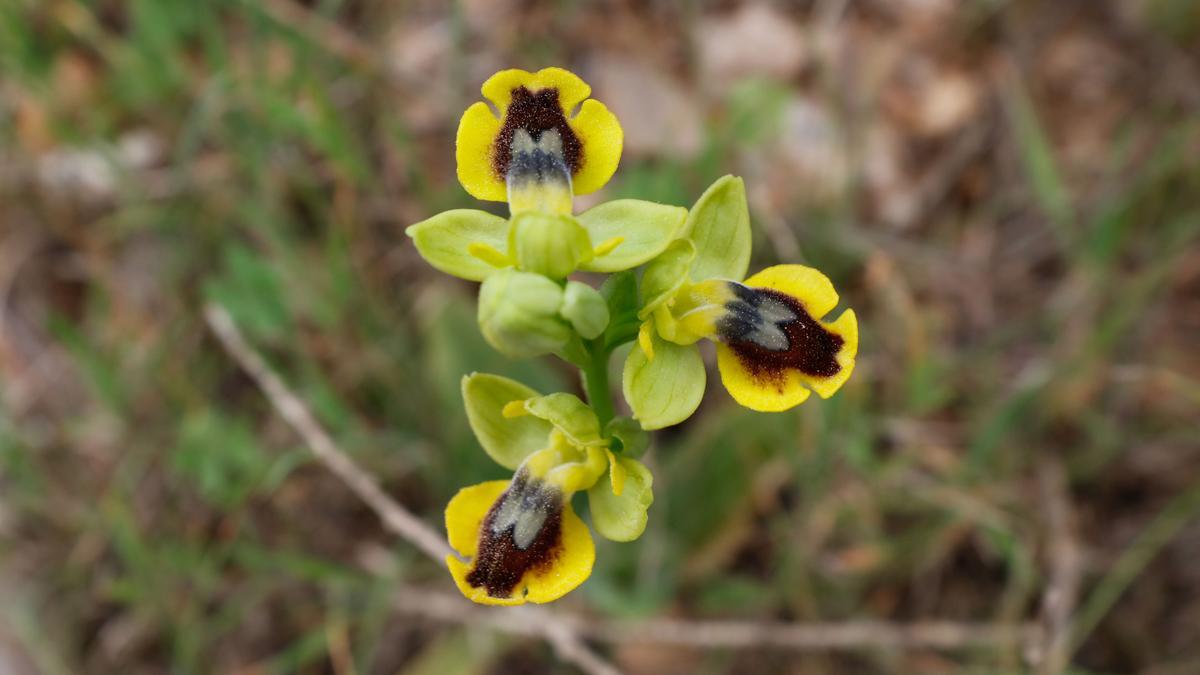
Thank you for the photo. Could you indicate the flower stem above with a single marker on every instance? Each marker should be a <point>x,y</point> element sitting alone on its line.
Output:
<point>595,381</point>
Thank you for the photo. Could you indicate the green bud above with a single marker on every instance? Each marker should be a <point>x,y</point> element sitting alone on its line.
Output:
<point>518,314</point>
<point>622,517</point>
<point>445,239</point>
<point>643,229</point>
<point>719,226</point>
<point>548,244</point>
<point>507,440</point>
<point>585,308</point>
<point>666,389</point>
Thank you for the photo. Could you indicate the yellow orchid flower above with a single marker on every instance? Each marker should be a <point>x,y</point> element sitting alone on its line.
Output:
<point>536,154</point>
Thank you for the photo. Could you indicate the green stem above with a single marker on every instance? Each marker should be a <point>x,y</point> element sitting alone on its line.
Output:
<point>595,381</point>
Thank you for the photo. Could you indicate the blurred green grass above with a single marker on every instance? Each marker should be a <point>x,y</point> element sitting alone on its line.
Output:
<point>165,520</point>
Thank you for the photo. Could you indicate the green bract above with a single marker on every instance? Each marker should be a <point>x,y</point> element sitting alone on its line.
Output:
<point>445,239</point>
<point>642,228</point>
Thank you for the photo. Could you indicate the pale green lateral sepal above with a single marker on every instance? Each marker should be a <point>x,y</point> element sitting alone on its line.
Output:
<point>506,440</point>
<point>445,240</point>
<point>585,308</point>
<point>519,314</point>
<point>666,389</point>
<point>644,229</point>
<point>665,275</point>
<point>621,515</point>
<point>568,414</point>
<point>549,244</point>
<point>719,226</point>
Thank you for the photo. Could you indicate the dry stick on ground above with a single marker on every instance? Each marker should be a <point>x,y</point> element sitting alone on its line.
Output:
<point>562,630</point>
<point>1064,561</point>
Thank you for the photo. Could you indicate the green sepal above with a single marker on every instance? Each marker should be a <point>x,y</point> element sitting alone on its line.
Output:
<point>719,226</point>
<point>665,275</point>
<point>634,440</point>
<point>667,389</point>
<point>548,244</point>
<point>622,517</point>
<point>568,414</point>
<point>644,228</point>
<point>506,440</point>
<point>585,308</point>
<point>519,314</point>
<point>444,239</point>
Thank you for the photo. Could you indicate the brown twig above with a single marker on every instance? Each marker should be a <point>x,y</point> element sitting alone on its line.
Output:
<point>1064,560</point>
<point>399,520</point>
<point>846,635</point>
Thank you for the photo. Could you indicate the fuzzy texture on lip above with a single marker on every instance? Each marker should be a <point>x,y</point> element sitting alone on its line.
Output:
<point>558,549</point>
<point>771,333</point>
<point>535,112</point>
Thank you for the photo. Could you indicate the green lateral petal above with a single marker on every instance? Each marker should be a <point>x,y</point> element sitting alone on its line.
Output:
<point>644,228</point>
<point>506,440</point>
<point>444,239</point>
<point>719,226</point>
<point>622,517</point>
<point>667,389</point>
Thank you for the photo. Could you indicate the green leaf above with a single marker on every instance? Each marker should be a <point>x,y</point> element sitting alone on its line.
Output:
<point>666,274</point>
<point>444,239</point>
<point>667,389</point>
<point>623,517</point>
<point>548,244</point>
<point>519,314</point>
<point>568,414</point>
<point>585,308</point>
<point>719,226</point>
<point>645,228</point>
<point>508,440</point>
<point>634,440</point>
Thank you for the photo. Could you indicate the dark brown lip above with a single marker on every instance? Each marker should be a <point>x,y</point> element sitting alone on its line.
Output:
<point>500,563</point>
<point>535,112</point>
<point>811,348</point>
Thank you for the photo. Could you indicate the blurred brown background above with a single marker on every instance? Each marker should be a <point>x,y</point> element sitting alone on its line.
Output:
<point>1006,191</point>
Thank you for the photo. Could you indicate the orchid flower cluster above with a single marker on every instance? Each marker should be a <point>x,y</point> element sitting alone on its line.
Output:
<point>676,276</point>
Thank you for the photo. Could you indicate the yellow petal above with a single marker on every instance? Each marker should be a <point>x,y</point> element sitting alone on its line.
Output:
<point>477,131</point>
<point>571,89</point>
<point>602,138</point>
<point>465,514</point>
<point>572,566</point>
<point>813,289</point>
<point>847,327</point>
<point>766,394</point>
